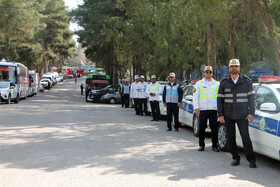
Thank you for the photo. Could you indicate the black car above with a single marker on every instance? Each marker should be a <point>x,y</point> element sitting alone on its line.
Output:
<point>95,95</point>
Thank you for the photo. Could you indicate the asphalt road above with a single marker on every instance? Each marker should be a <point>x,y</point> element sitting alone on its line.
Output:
<point>57,139</point>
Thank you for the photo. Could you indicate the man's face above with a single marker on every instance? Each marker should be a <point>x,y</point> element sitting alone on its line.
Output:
<point>153,80</point>
<point>172,79</point>
<point>234,69</point>
<point>141,80</point>
<point>136,80</point>
<point>208,74</point>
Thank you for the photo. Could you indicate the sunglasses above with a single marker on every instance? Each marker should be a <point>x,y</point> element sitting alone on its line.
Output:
<point>208,72</point>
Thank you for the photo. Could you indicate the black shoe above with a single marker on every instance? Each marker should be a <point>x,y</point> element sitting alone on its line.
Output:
<point>252,164</point>
<point>201,148</point>
<point>156,120</point>
<point>215,149</point>
<point>235,163</point>
<point>153,120</point>
<point>176,130</point>
<point>169,129</point>
<point>140,114</point>
<point>146,114</point>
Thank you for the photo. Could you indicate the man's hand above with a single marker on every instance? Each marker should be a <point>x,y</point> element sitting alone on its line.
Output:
<point>164,104</point>
<point>222,119</point>
<point>197,111</point>
<point>147,98</point>
<point>250,117</point>
<point>179,104</point>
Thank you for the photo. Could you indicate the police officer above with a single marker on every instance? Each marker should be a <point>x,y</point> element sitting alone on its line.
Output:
<point>153,93</point>
<point>87,90</point>
<point>142,96</point>
<point>205,105</point>
<point>121,92</point>
<point>126,91</point>
<point>236,104</point>
<point>133,94</point>
<point>172,97</point>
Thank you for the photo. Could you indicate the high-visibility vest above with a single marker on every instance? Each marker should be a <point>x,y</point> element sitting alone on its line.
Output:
<point>153,90</point>
<point>204,94</point>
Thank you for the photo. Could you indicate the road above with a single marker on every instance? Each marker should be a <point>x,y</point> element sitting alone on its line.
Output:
<point>57,139</point>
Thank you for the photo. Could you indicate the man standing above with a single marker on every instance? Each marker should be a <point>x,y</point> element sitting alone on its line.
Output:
<point>121,92</point>
<point>205,105</point>
<point>172,97</point>
<point>87,90</point>
<point>133,94</point>
<point>236,104</point>
<point>142,96</point>
<point>153,92</point>
<point>126,91</point>
<point>82,89</point>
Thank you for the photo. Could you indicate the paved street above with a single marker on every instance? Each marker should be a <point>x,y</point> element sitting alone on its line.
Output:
<point>57,139</point>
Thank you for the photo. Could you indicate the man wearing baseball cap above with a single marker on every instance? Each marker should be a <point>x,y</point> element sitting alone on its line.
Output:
<point>172,97</point>
<point>205,105</point>
<point>142,96</point>
<point>153,91</point>
<point>236,105</point>
<point>133,93</point>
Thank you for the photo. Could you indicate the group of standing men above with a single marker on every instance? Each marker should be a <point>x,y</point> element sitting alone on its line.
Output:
<point>232,100</point>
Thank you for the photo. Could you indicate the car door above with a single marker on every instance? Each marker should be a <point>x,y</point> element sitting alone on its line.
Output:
<point>183,107</point>
<point>186,108</point>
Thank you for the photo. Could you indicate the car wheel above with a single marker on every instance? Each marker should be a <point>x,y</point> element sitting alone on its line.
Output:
<point>223,138</point>
<point>112,101</point>
<point>196,125</point>
<point>8,101</point>
<point>17,99</point>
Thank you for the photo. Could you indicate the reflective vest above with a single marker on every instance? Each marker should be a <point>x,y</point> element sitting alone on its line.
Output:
<point>204,94</point>
<point>125,89</point>
<point>153,90</point>
<point>172,95</point>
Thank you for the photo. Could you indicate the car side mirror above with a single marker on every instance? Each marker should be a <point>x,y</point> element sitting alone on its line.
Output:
<point>12,87</point>
<point>270,107</point>
<point>189,97</point>
<point>12,84</point>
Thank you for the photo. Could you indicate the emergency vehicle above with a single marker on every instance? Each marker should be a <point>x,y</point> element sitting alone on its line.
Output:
<point>33,83</point>
<point>16,73</point>
<point>265,128</point>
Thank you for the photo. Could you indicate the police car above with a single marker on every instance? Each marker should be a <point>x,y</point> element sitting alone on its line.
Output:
<point>265,128</point>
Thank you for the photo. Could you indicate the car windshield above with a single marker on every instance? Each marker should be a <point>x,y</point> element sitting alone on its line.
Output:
<point>4,84</point>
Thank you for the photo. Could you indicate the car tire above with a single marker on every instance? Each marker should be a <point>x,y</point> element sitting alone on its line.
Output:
<point>223,138</point>
<point>17,99</point>
<point>112,101</point>
<point>8,101</point>
<point>196,125</point>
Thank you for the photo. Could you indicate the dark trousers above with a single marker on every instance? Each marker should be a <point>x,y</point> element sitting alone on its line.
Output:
<point>155,109</point>
<point>142,102</point>
<point>212,116</point>
<point>82,91</point>
<point>126,100</point>
<point>172,109</point>
<point>136,101</point>
<point>122,100</point>
<point>87,93</point>
<point>244,132</point>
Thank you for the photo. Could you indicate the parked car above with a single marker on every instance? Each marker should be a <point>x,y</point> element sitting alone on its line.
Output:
<point>8,92</point>
<point>112,96</point>
<point>95,95</point>
<point>45,83</point>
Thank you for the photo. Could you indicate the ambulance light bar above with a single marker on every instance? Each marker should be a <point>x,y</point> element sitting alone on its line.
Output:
<point>268,79</point>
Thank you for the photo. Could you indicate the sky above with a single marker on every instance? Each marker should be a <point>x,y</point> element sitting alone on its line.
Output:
<point>72,4</point>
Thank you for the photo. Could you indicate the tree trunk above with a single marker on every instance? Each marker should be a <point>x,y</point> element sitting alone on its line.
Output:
<point>211,46</point>
<point>7,48</point>
<point>115,62</point>
<point>267,18</point>
<point>231,39</point>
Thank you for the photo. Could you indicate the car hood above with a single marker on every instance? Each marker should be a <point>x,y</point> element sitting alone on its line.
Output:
<point>4,89</point>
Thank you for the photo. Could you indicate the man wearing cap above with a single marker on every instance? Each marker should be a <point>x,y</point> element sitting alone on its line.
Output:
<point>205,105</point>
<point>142,96</point>
<point>236,105</point>
<point>172,97</point>
<point>126,91</point>
<point>121,92</point>
<point>133,94</point>
<point>153,93</point>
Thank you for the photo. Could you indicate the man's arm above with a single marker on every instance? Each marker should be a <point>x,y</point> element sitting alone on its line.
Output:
<point>220,100</point>
<point>164,95</point>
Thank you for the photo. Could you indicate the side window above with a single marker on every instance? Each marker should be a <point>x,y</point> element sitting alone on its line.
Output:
<point>265,95</point>
<point>190,91</point>
<point>185,91</point>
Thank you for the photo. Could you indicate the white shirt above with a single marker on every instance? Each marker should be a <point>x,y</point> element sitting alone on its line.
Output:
<point>133,91</point>
<point>141,90</point>
<point>235,80</point>
<point>153,86</point>
<point>205,104</point>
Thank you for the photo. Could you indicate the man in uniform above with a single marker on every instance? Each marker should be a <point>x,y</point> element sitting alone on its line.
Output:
<point>142,96</point>
<point>236,104</point>
<point>121,92</point>
<point>133,94</point>
<point>153,92</point>
<point>172,97</point>
<point>126,90</point>
<point>205,105</point>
